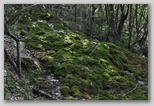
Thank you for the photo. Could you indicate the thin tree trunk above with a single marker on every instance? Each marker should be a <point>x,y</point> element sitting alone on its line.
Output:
<point>106,11</point>
<point>75,13</point>
<point>137,29</point>
<point>93,13</point>
<point>18,59</point>
<point>116,18</point>
<point>122,20</point>
<point>130,26</point>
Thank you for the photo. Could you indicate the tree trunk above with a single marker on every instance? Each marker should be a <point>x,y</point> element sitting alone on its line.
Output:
<point>75,14</point>
<point>130,27</point>
<point>122,20</point>
<point>18,59</point>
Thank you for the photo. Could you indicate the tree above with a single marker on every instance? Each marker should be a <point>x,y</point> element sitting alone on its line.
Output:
<point>130,27</point>
<point>10,18</point>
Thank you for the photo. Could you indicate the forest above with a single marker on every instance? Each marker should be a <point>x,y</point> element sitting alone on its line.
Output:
<point>76,52</point>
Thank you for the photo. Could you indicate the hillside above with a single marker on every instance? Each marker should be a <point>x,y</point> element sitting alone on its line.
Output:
<point>83,68</point>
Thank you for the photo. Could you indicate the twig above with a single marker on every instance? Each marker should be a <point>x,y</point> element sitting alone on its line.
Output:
<point>94,48</point>
<point>131,90</point>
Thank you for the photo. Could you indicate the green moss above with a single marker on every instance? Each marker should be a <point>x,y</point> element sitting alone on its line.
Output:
<point>67,40</point>
<point>23,32</point>
<point>45,16</point>
<point>104,63</point>
<point>104,95</point>
<point>114,51</point>
<point>89,61</point>
<point>101,52</point>
<point>31,69</point>
<point>43,25</point>
<point>58,26</point>
<point>75,92</point>
<point>84,71</point>
<point>139,94</point>
<point>65,90</point>
<point>47,59</point>
<point>34,42</point>
<point>132,70</point>
<point>76,36</point>
<point>112,46</point>
<point>124,83</point>
<point>116,61</point>
<point>29,63</point>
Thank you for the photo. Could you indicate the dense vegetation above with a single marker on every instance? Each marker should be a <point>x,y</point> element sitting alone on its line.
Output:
<point>90,49</point>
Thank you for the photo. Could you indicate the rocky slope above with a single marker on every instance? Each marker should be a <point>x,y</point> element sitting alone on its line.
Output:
<point>86,69</point>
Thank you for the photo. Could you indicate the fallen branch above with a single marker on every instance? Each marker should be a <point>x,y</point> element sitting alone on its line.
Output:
<point>131,90</point>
